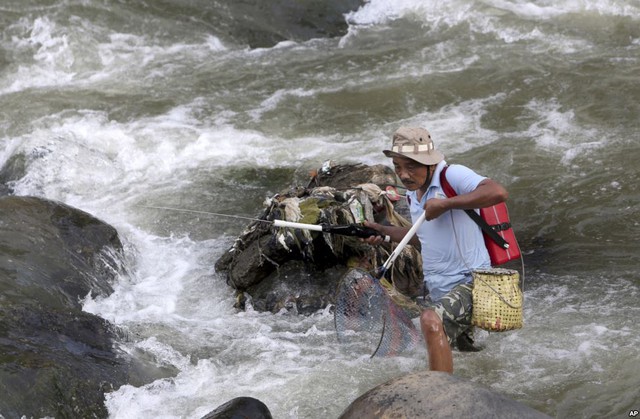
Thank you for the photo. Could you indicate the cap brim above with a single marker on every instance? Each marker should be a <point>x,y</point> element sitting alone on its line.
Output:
<point>390,153</point>
<point>434,157</point>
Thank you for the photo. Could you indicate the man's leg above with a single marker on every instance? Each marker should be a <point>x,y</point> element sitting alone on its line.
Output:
<point>438,348</point>
<point>466,343</point>
<point>443,322</point>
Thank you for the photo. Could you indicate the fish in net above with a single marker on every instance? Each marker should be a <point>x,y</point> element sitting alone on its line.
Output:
<point>364,310</point>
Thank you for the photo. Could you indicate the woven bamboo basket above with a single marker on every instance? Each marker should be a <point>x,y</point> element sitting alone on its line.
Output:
<point>497,300</point>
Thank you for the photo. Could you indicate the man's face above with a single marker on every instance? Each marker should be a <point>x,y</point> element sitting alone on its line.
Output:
<point>411,173</point>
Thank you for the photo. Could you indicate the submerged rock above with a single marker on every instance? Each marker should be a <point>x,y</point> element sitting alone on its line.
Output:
<point>240,407</point>
<point>431,394</point>
<point>299,270</point>
<point>56,360</point>
<point>279,20</point>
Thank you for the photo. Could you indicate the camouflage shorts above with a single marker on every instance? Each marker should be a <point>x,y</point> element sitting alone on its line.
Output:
<point>455,311</point>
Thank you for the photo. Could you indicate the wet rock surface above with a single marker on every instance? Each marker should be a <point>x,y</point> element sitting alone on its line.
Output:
<point>299,270</point>
<point>240,407</point>
<point>55,359</point>
<point>280,20</point>
<point>430,394</point>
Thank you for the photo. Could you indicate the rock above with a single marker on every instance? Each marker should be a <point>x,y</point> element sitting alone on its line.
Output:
<point>57,361</point>
<point>431,394</point>
<point>51,249</point>
<point>299,270</point>
<point>279,21</point>
<point>296,289</point>
<point>12,170</point>
<point>240,407</point>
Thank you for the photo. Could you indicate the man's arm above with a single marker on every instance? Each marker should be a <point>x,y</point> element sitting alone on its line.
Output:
<point>396,234</point>
<point>487,193</point>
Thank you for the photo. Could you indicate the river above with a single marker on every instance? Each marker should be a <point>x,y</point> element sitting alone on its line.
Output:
<point>116,106</point>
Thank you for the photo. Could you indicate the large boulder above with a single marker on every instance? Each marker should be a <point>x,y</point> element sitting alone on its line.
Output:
<point>431,394</point>
<point>299,270</point>
<point>49,249</point>
<point>56,360</point>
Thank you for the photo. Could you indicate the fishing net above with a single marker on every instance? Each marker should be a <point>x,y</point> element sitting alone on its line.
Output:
<point>364,311</point>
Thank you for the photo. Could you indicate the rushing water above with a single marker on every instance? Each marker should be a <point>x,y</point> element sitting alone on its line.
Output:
<point>116,105</point>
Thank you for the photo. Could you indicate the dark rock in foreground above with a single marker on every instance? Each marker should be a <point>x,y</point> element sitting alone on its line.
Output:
<point>423,395</point>
<point>241,407</point>
<point>54,251</point>
<point>55,359</point>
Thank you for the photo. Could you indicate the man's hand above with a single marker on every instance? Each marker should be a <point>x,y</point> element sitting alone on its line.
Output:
<point>374,240</point>
<point>395,234</point>
<point>434,208</point>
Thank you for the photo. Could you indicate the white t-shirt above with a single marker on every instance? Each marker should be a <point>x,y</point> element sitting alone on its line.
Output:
<point>452,244</point>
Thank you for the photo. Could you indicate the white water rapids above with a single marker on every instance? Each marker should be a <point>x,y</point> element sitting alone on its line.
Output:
<point>114,109</point>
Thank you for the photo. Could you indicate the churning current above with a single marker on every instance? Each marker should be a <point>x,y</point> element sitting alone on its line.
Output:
<point>115,106</point>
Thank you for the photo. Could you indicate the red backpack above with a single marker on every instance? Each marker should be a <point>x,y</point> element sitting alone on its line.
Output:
<point>496,228</point>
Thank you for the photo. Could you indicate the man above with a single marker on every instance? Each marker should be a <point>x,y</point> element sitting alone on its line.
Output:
<point>451,243</point>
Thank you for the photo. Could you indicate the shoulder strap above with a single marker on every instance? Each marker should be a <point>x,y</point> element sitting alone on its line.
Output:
<point>486,228</point>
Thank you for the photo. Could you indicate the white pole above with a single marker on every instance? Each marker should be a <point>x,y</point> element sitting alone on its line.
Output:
<point>289,224</point>
<point>404,242</point>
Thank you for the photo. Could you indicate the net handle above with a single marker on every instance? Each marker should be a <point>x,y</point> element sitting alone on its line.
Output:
<point>403,242</point>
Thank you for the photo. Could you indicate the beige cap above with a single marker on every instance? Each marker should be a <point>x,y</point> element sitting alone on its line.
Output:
<point>414,143</point>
